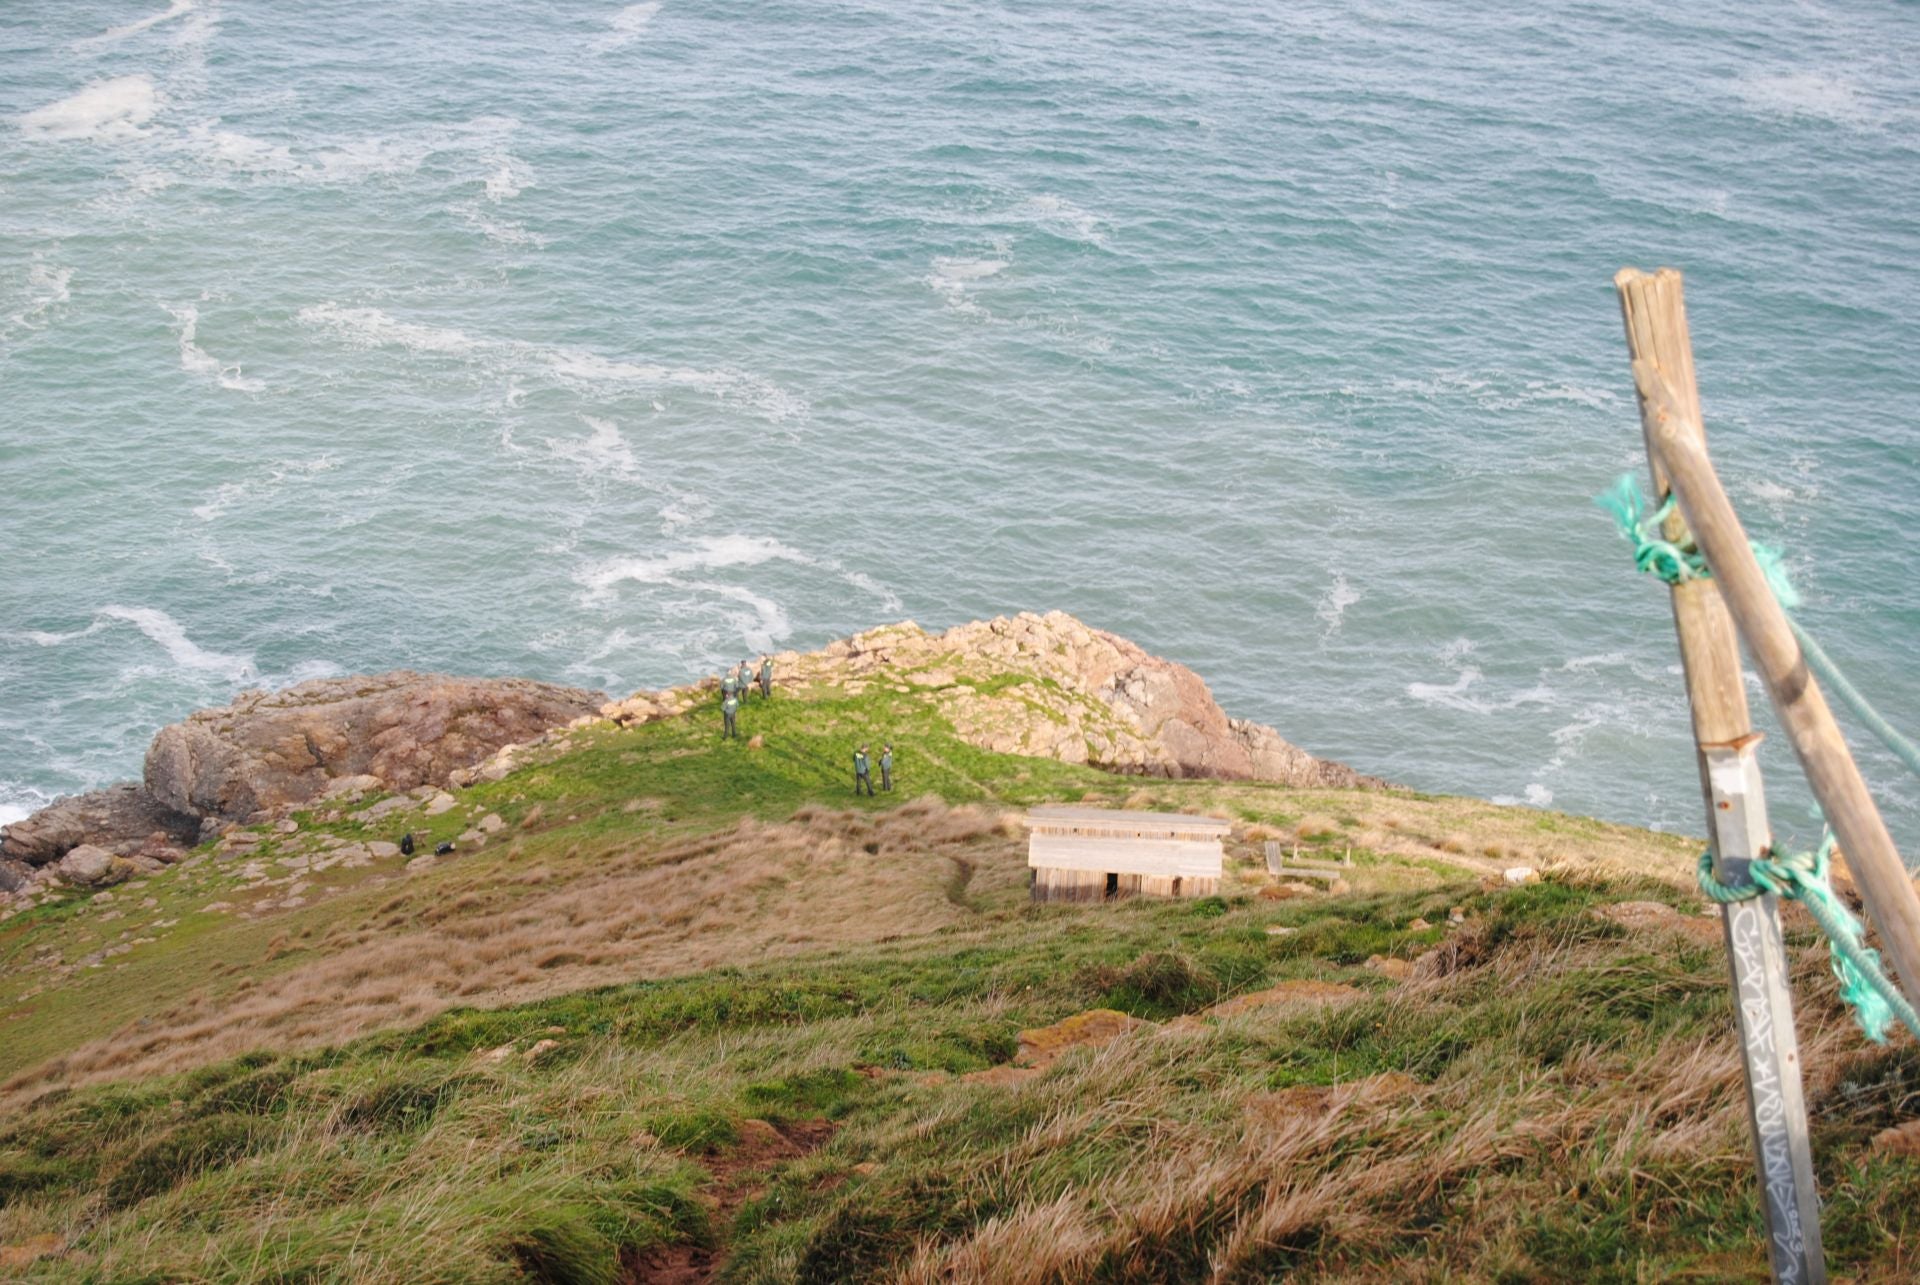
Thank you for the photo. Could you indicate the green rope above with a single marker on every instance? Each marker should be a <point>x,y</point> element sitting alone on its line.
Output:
<point>1802,877</point>
<point>1829,673</point>
<point>1864,984</point>
<point>1674,563</point>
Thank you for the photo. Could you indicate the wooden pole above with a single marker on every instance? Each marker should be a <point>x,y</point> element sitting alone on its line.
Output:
<point>1885,885</point>
<point>1726,747</point>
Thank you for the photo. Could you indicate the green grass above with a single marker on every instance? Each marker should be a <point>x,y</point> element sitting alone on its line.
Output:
<point>1573,1113</point>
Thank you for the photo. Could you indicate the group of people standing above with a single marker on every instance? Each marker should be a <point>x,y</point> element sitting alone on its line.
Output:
<point>734,686</point>
<point>863,770</point>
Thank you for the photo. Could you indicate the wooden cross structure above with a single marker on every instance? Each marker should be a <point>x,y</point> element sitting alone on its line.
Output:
<point>1712,616</point>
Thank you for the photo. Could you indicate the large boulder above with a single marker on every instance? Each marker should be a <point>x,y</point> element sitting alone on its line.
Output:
<point>123,819</point>
<point>272,749</point>
<point>89,867</point>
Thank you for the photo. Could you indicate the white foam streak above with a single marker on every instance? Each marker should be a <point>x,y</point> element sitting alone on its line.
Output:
<point>161,629</point>
<point>371,328</point>
<point>112,34</point>
<point>196,361</point>
<point>1062,218</point>
<point>1804,93</point>
<point>171,637</point>
<point>709,553</point>
<point>1454,695</point>
<point>105,110</point>
<point>952,278</point>
<point>240,151</point>
<point>604,451</point>
<point>228,494</point>
<point>1334,603</point>
<point>47,287</point>
<point>627,26</point>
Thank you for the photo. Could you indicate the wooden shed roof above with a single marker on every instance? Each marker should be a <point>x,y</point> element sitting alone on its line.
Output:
<point>1119,820</point>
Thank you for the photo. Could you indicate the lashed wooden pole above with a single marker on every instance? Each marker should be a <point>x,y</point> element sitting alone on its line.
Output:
<point>1885,884</point>
<point>1726,750</point>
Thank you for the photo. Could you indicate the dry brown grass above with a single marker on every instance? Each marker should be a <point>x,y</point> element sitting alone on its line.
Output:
<point>824,879</point>
<point>1328,1183</point>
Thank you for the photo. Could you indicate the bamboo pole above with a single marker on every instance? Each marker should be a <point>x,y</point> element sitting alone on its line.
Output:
<point>1884,883</point>
<point>1726,746</point>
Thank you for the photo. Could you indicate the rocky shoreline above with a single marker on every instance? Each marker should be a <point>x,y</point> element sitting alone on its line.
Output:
<point>1084,696</point>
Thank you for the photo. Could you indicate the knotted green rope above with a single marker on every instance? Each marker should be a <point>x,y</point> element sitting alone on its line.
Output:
<point>1864,985</point>
<point>1656,555</point>
<point>1802,877</point>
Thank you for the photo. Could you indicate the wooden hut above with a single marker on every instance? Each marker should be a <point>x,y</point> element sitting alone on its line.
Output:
<point>1091,854</point>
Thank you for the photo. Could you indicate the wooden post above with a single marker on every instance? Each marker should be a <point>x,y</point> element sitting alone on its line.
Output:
<point>1725,744</point>
<point>1884,883</point>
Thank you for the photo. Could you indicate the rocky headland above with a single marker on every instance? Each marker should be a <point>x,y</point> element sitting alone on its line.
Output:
<point>269,753</point>
<point>1044,686</point>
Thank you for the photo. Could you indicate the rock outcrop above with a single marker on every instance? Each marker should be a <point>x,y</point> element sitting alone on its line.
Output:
<point>269,750</point>
<point>1050,686</point>
<point>123,819</point>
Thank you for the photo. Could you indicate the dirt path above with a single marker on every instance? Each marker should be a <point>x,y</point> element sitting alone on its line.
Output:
<point>737,1175</point>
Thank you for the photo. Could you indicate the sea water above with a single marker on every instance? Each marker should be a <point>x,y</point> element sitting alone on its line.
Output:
<point>609,344</point>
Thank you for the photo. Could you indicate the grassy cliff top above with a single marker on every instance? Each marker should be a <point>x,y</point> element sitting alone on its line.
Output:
<point>681,1007</point>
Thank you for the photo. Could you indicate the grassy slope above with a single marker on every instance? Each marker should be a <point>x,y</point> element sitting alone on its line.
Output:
<point>1577,1111</point>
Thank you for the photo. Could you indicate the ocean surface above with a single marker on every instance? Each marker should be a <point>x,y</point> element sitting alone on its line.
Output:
<point>607,344</point>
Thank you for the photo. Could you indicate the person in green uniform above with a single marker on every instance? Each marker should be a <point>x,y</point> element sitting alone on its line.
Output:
<point>743,679</point>
<point>862,773</point>
<point>886,768</point>
<point>729,711</point>
<point>766,678</point>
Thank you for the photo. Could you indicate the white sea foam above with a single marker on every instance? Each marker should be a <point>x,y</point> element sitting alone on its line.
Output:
<point>952,278</point>
<point>508,177</point>
<point>47,287</point>
<point>1334,602</point>
<point>11,812</point>
<point>768,622</point>
<point>112,34</point>
<point>163,630</point>
<point>239,151</point>
<point>685,569</point>
<point>889,600</point>
<point>258,488</point>
<point>1538,795</point>
<point>602,451</point>
<point>708,553</point>
<point>171,637</point>
<point>626,26</point>
<point>1601,660</point>
<point>1455,695</point>
<point>372,328</point>
<point>687,509</point>
<point>1061,217</point>
<point>196,361</point>
<point>1814,94</point>
<point>105,110</point>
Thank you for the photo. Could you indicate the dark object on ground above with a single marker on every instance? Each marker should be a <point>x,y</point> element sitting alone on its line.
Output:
<point>406,843</point>
<point>443,849</point>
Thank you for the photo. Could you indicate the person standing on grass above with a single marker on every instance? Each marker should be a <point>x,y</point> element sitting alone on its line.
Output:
<point>726,685</point>
<point>766,678</point>
<point>886,768</point>
<point>862,773</point>
<point>729,711</point>
<point>743,680</point>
